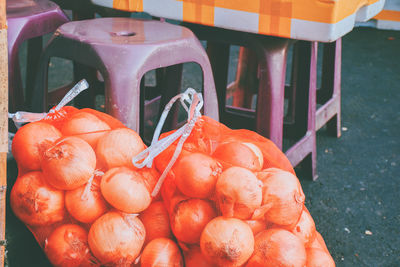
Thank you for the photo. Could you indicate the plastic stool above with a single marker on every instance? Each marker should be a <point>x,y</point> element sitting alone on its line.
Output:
<point>28,20</point>
<point>328,95</point>
<point>268,118</point>
<point>123,50</point>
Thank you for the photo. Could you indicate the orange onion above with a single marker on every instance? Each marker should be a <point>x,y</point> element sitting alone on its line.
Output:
<point>68,163</point>
<point>189,217</point>
<point>35,202</point>
<point>321,241</point>
<point>194,258</point>
<point>86,203</point>
<point>277,247</point>
<point>125,190</point>
<point>161,252</point>
<point>150,177</point>
<point>246,155</point>
<point>256,226</point>
<point>67,246</point>
<point>116,239</point>
<point>28,142</point>
<point>318,242</point>
<point>319,258</point>
<point>156,221</point>
<point>57,117</point>
<point>196,175</point>
<point>175,199</point>
<point>227,242</point>
<point>283,197</point>
<point>86,126</point>
<point>110,120</point>
<point>304,228</point>
<point>238,192</point>
<point>117,147</point>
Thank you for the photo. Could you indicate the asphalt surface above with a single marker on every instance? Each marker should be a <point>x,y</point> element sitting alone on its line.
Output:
<point>355,201</point>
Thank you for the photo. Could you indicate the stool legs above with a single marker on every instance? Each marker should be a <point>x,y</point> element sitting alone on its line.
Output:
<point>329,94</point>
<point>304,151</point>
<point>270,100</point>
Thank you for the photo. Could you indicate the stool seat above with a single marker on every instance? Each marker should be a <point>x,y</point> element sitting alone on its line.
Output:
<point>126,32</point>
<point>123,50</point>
<point>24,8</point>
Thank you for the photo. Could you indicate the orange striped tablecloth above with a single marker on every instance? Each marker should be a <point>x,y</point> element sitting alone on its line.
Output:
<point>389,17</point>
<point>315,20</point>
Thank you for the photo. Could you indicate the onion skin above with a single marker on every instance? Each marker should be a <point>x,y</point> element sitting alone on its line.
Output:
<point>125,190</point>
<point>161,252</point>
<point>86,126</point>
<point>319,258</point>
<point>116,239</point>
<point>27,143</point>
<point>156,221</point>
<point>189,217</point>
<point>150,177</point>
<point>239,154</point>
<point>277,247</point>
<point>117,148</point>
<point>283,197</point>
<point>227,242</point>
<point>112,122</point>
<point>238,192</point>
<point>57,117</point>
<point>194,258</point>
<point>67,246</point>
<point>35,202</point>
<point>304,228</point>
<point>196,175</point>
<point>318,242</point>
<point>321,241</point>
<point>69,163</point>
<point>256,226</point>
<point>86,204</point>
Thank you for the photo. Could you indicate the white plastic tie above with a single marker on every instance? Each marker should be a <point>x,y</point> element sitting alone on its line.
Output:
<point>21,117</point>
<point>192,102</point>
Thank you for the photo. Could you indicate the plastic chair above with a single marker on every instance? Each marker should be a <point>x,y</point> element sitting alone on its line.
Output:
<point>268,118</point>
<point>123,50</point>
<point>28,20</point>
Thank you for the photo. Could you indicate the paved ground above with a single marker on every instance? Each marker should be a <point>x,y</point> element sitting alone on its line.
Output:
<point>355,201</point>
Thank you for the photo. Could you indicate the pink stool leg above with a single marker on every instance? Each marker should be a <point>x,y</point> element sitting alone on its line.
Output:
<point>270,101</point>
<point>304,151</point>
<point>329,94</point>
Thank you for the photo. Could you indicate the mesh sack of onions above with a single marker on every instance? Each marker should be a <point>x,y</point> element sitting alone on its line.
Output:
<point>231,196</point>
<point>79,193</point>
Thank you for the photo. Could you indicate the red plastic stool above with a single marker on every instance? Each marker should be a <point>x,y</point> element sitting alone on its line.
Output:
<point>268,118</point>
<point>123,50</point>
<point>28,20</point>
